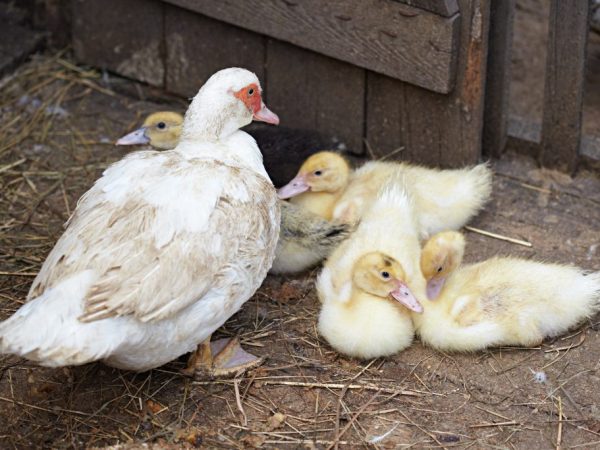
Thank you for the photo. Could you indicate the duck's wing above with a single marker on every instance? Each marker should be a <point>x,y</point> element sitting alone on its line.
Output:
<point>159,231</point>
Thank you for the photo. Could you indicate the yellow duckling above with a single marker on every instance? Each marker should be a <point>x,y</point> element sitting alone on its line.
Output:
<point>367,284</point>
<point>319,183</point>
<point>305,239</point>
<point>501,301</point>
<point>443,199</point>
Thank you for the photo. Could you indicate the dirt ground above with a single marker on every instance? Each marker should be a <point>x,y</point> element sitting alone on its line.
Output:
<point>58,125</point>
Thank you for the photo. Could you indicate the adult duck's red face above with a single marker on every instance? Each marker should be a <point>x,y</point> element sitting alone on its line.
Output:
<point>251,97</point>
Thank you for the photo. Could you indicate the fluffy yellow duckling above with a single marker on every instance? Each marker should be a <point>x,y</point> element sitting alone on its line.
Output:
<point>305,239</point>
<point>443,199</point>
<point>319,183</point>
<point>367,284</point>
<point>501,301</point>
<point>160,129</point>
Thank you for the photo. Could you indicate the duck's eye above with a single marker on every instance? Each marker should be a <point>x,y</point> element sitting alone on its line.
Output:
<point>250,92</point>
<point>318,173</point>
<point>385,274</point>
<point>161,125</point>
<point>439,269</point>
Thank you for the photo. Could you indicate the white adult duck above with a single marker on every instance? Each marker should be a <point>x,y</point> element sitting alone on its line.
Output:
<point>162,250</point>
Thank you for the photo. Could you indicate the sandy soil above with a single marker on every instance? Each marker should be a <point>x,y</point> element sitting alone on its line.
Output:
<point>421,397</point>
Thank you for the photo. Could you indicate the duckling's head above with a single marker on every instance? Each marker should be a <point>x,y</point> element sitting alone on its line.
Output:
<point>381,275</point>
<point>322,172</point>
<point>441,255</point>
<point>160,129</point>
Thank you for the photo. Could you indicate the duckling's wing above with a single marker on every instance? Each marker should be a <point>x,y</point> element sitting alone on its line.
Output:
<point>160,231</point>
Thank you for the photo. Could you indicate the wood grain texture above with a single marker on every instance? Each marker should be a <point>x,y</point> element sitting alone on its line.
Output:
<point>125,37</point>
<point>385,36</point>
<point>563,91</point>
<point>444,8</point>
<point>435,129</point>
<point>198,46</point>
<point>495,126</point>
<point>312,91</point>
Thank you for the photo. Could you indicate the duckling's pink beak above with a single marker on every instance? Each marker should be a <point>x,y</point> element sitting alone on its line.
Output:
<point>297,186</point>
<point>134,138</point>
<point>264,114</point>
<point>403,295</point>
<point>434,287</point>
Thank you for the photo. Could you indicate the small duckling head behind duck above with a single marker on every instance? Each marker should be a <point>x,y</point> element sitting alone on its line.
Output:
<point>160,129</point>
<point>381,275</point>
<point>322,172</point>
<point>441,255</point>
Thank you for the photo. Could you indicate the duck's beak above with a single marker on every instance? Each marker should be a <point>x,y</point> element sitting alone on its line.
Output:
<point>403,295</point>
<point>135,137</point>
<point>297,186</point>
<point>434,287</point>
<point>264,114</point>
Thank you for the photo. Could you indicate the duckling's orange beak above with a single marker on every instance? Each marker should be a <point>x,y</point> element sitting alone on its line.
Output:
<point>403,295</point>
<point>434,287</point>
<point>135,137</point>
<point>297,186</point>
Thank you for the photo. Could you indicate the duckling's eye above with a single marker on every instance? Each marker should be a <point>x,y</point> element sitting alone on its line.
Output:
<point>439,269</point>
<point>250,92</point>
<point>385,274</point>
<point>161,125</point>
<point>318,173</point>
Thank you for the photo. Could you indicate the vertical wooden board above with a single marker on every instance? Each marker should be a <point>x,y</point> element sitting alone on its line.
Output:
<point>565,76</point>
<point>435,129</point>
<point>125,37</point>
<point>198,46</point>
<point>313,91</point>
<point>495,128</point>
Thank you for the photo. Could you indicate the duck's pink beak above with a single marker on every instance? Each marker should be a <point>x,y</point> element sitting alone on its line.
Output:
<point>434,287</point>
<point>134,138</point>
<point>403,295</point>
<point>264,114</point>
<point>297,186</point>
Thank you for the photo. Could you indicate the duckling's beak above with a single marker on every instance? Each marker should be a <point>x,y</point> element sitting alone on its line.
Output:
<point>264,114</point>
<point>297,186</point>
<point>135,137</point>
<point>403,295</point>
<point>434,287</point>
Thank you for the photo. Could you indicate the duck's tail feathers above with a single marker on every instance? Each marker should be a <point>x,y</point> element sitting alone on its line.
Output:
<point>479,181</point>
<point>46,329</point>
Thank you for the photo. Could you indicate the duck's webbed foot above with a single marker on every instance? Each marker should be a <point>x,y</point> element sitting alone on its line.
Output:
<point>219,359</point>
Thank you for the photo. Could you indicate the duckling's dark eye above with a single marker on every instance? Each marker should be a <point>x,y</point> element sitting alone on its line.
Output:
<point>250,91</point>
<point>385,274</point>
<point>439,269</point>
<point>318,173</point>
<point>161,125</point>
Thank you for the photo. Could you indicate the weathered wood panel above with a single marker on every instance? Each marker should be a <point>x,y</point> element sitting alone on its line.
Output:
<point>385,36</point>
<point>435,128</point>
<point>444,8</point>
<point>198,46</point>
<point>312,91</point>
<point>125,37</point>
<point>495,132</point>
<point>563,91</point>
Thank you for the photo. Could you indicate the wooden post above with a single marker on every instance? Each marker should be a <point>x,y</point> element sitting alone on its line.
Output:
<point>563,92</point>
<point>495,131</point>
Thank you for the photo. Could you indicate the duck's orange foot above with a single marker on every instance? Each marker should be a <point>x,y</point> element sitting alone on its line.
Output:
<point>224,358</point>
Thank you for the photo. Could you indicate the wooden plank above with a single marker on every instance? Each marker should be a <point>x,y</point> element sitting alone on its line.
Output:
<point>384,36</point>
<point>495,131</point>
<point>444,8</point>
<point>524,136</point>
<point>563,91</point>
<point>198,46</point>
<point>435,129</point>
<point>312,91</point>
<point>125,37</point>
